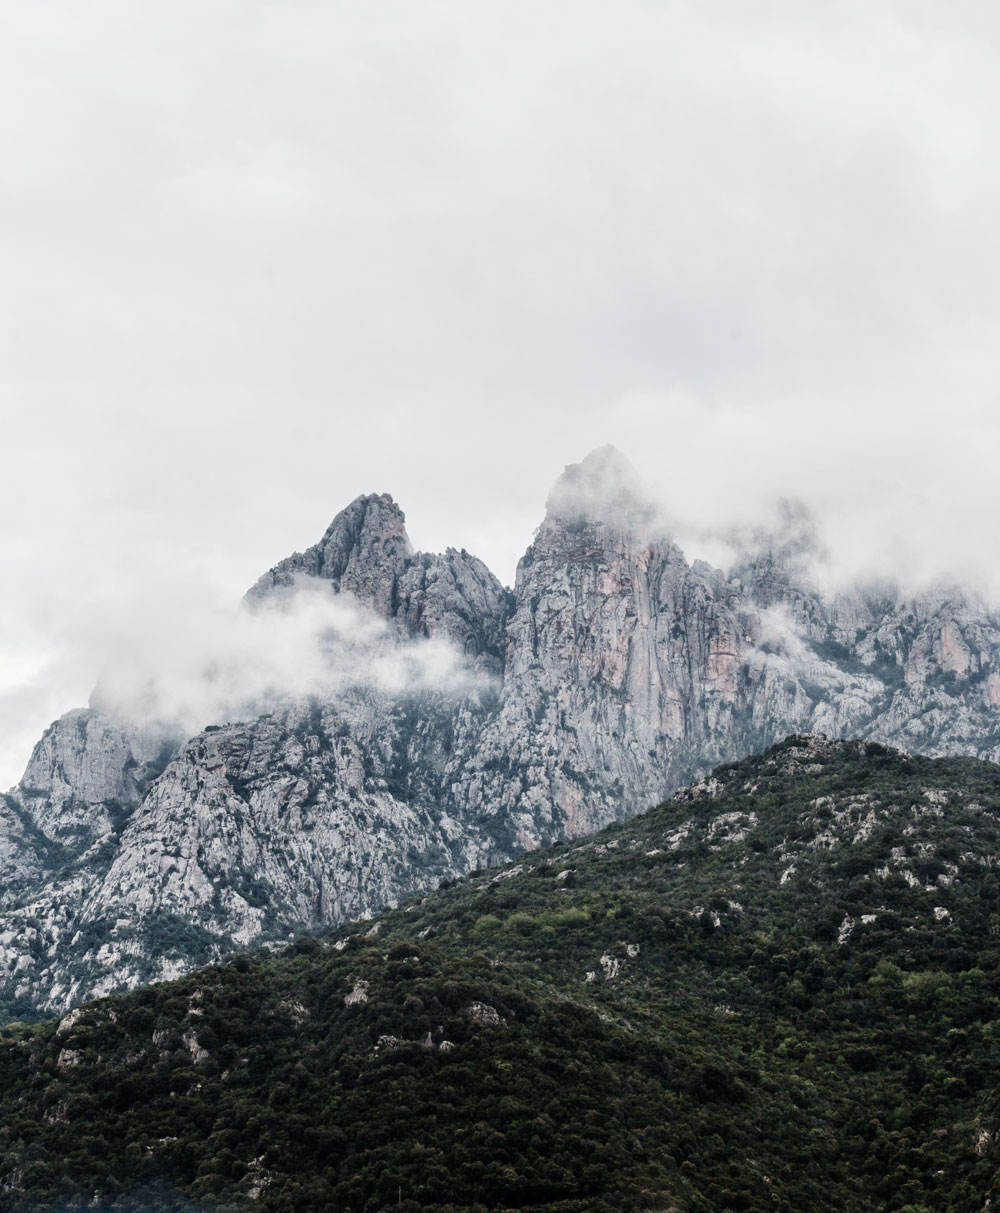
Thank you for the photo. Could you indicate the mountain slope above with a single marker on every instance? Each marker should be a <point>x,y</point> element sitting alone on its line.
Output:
<point>612,673</point>
<point>777,991</point>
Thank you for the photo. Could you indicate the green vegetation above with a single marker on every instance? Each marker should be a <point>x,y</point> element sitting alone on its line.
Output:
<point>778,992</point>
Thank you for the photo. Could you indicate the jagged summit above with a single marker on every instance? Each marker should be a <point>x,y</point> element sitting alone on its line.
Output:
<point>361,552</point>
<point>367,553</point>
<point>373,525</point>
<point>603,487</point>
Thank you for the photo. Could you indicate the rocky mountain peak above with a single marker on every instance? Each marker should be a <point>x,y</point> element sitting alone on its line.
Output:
<point>363,552</point>
<point>369,534</point>
<point>79,773</point>
<point>367,554</point>
<point>604,487</point>
<point>365,549</point>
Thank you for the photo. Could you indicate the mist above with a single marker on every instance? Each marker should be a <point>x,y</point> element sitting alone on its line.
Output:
<point>879,496</point>
<point>195,665</point>
<point>180,660</point>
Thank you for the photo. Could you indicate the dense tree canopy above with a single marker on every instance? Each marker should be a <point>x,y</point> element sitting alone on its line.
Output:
<point>779,991</point>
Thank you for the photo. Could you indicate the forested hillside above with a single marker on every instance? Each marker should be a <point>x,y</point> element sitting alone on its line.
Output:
<point>777,991</point>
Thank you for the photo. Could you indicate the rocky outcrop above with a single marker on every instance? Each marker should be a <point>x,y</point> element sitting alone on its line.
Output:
<point>86,771</point>
<point>304,818</point>
<point>614,672</point>
<point>613,642</point>
<point>22,851</point>
<point>366,553</point>
<point>363,553</point>
<point>288,822</point>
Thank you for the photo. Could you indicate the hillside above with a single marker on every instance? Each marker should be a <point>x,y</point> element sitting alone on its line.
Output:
<point>777,991</point>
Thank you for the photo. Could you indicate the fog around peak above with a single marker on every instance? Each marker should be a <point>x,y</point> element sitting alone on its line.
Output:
<point>178,662</point>
<point>603,486</point>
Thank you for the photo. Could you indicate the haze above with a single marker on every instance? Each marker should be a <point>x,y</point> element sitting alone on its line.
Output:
<point>259,258</point>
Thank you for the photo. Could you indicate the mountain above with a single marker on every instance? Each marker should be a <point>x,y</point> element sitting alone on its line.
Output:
<point>611,674</point>
<point>779,990</point>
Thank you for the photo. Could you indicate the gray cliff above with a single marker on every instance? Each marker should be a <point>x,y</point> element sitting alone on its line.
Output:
<point>613,673</point>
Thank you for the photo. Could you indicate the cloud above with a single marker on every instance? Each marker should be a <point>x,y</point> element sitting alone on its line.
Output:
<point>174,659</point>
<point>191,665</point>
<point>903,496</point>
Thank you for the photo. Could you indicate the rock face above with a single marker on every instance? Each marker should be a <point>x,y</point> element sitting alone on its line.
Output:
<point>613,673</point>
<point>83,774</point>
<point>366,553</point>
<point>623,667</point>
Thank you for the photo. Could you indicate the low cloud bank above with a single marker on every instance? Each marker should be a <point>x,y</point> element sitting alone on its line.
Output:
<point>885,495</point>
<point>172,657</point>
<point>195,666</point>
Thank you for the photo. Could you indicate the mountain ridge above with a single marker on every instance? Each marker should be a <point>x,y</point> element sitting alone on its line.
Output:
<point>613,672</point>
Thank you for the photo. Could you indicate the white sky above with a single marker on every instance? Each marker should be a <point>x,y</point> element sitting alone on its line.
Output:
<point>259,257</point>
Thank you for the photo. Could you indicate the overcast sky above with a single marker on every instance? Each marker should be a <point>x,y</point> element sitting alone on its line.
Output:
<point>259,257</point>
